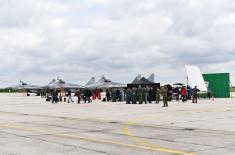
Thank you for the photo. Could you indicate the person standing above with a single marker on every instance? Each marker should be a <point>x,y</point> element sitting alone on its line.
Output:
<point>118,94</point>
<point>177,91</point>
<point>113,95</point>
<point>150,94</point>
<point>78,94</point>
<point>164,91</point>
<point>184,93</point>
<point>189,92</point>
<point>108,94</point>
<point>140,94</point>
<point>158,92</point>
<point>96,94</point>
<point>195,94</point>
<point>145,94</point>
<point>89,96</point>
<point>128,96</point>
<point>86,96</point>
<point>54,96</point>
<point>70,96</point>
<point>134,95</point>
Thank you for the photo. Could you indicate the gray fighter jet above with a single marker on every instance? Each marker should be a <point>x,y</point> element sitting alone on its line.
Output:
<point>59,84</point>
<point>28,88</point>
<point>104,83</point>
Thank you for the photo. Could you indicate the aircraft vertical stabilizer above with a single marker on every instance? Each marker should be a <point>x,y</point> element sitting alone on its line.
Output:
<point>151,78</point>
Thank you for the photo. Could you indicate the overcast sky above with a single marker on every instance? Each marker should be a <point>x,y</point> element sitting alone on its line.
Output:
<point>78,39</point>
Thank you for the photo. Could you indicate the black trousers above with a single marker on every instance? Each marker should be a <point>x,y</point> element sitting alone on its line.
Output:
<point>194,99</point>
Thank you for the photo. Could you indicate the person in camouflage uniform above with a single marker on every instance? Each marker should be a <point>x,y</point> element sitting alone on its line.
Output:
<point>134,95</point>
<point>150,94</point>
<point>128,96</point>
<point>158,95</point>
<point>145,94</point>
<point>113,94</point>
<point>78,94</point>
<point>164,91</point>
<point>140,94</point>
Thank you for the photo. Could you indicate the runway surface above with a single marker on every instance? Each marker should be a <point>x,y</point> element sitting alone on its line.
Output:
<point>29,125</point>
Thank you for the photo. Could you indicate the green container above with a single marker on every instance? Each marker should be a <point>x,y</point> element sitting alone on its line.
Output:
<point>219,83</point>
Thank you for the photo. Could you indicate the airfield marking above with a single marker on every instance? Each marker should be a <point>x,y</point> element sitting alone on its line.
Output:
<point>86,138</point>
<point>146,143</point>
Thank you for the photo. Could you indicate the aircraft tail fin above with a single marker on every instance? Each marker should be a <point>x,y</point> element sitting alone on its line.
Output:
<point>138,77</point>
<point>91,81</point>
<point>151,78</point>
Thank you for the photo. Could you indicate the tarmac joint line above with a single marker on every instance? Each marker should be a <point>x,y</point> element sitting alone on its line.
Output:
<point>155,147</point>
<point>86,138</point>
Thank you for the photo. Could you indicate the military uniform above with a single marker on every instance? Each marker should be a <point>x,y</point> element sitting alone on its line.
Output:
<point>164,91</point>
<point>78,94</point>
<point>150,94</point>
<point>128,96</point>
<point>195,94</point>
<point>158,93</point>
<point>140,95</point>
<point>113,95</point>
<point>134,95</point>
<point>145,94</point>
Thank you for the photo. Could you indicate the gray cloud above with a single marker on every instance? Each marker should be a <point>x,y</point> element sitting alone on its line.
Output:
<point>75,40</point>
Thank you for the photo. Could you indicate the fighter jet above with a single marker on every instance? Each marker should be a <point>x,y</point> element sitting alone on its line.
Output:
<point>59,84</point>
<point>105,83</point>
<point>23,86</point>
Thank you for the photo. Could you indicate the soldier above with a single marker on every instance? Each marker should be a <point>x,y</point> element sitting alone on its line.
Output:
<point>158,93</point>
<point>140,94</point>
<point>195,91</point>
<point>78,94</point>
<point>134,95</point>
<point>128,96</point>
<point>108,94</point>
<point>150,94</point>
<point>113,95</point>
<point>164,91</point>
<point>145,94</point>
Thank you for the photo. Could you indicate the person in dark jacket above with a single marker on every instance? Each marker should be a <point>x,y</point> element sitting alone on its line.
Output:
<point>190,90</point>
<point>140,94</point>
<point>134,95</point>
<point>150,94</point>
<point>54,96</point>
<point>78,94</point>
<point>113,95</point>
<point>108,94</point>
<point>118,95</point>
<point>87,95</point>
<point>128,96</point>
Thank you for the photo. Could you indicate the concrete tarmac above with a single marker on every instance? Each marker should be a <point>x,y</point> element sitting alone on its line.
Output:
<point>32,126</point>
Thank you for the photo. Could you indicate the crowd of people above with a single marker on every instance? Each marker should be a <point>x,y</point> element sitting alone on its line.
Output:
<point>134,95</point>
<point>186,93</point>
